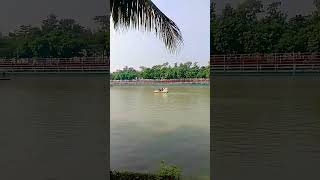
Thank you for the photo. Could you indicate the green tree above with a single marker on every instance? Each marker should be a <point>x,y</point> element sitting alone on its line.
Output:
<point>252,27</point>
<point>54,38</point>
<point>50,23</point>
<point>163,71</point>
<point>213,27</point>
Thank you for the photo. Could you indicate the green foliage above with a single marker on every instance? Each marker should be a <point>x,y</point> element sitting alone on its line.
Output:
<point>115,175</point>
<point>213,25</point>
<point>125,74</point>
<point>253,27</point>
<point>132,176</point>
<point>164,71</point>
<point>165,172</point>
<point>169,171</point>
<point>56,38</point>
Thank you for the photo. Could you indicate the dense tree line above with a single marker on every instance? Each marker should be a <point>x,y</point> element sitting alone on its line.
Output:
<point>57,38</point>
<point>254,27</point>
<point>164,71</point>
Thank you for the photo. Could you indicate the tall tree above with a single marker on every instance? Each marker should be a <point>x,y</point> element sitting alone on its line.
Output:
<point>103,21</point>
<point>56,38</point>
<point>317,4</point>
<point>256,28</point>
<point>50,23</point>
<point>213,27</point>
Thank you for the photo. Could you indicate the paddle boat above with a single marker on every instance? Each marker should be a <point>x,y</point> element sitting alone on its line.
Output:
<point>161,90</point>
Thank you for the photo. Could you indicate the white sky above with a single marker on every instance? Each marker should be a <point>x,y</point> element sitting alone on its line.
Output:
<point>133,48</point>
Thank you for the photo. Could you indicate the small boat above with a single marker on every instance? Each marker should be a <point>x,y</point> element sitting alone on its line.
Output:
<point>162,90</point>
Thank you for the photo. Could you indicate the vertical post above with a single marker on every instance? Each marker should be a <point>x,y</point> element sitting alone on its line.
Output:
<point>257,63</point>
<point>224,62</point>
<point>274,62</point>
<point>11,65</point>
<point>294,64</point>
<point>242,63</point>
<point>34,65</point>
<point>82,63</point>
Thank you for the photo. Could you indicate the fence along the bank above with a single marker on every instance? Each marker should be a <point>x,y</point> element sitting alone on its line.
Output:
<point>272,63</point>
<point>83,64</point>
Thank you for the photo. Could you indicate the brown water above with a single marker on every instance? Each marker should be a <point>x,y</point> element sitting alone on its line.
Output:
<point>53,128</point>
<point>147,127</point>
<point>265,128</point>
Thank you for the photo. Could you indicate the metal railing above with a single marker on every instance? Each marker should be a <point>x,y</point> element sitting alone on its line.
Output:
<point>83,64</point>
<point>276,62</point>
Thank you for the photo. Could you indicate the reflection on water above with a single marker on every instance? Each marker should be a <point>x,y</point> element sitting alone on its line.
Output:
<point>53,128</point>
<point>148,127</point>
<point>266,128</point>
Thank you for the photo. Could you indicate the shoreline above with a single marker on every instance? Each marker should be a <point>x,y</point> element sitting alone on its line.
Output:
<point>149,82</point>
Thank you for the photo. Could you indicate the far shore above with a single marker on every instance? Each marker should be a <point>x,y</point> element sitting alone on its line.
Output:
<point>160,82</point>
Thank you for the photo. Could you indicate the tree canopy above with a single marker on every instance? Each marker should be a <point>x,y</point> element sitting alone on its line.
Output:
<point>253,27</point>
<point>56,38</point>
<point>163,71</point>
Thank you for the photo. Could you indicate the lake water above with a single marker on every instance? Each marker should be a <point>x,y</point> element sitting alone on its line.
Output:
<point>147,127</point>
<point>265,128</point>
<point>54,128</point>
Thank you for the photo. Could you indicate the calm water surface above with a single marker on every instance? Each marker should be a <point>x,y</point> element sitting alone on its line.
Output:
<point>147,128</point>
<point>266,128</point>
<point>53,128</point>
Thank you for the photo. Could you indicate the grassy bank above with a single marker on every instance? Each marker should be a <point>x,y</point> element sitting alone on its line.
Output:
<point>165,172</point>
<point>115,175</point>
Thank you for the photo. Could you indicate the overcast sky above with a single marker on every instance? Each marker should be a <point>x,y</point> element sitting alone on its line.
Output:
<point>22,12</point>
<point>135,49</point>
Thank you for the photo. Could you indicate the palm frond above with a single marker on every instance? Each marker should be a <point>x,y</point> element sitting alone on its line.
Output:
<point>145,15</point>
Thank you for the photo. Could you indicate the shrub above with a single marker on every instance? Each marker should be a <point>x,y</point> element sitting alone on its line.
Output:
<point>165,172</point>
<point>114,175</point>
<point>169,171</point>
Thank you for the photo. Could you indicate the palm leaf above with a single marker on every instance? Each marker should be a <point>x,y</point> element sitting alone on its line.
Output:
<point>145,15</point>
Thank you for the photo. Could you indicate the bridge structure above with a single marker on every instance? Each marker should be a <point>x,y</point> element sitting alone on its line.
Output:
<point>55,65</point>
<point>276,63</point>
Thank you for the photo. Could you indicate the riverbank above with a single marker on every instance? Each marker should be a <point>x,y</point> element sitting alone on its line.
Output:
<point>115,175</point>
<point>160,82</point>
